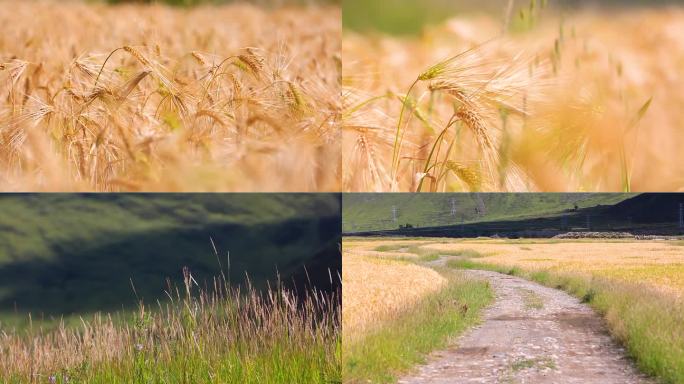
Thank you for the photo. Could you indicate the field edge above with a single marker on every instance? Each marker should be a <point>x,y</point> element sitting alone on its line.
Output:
<point>404,342</point>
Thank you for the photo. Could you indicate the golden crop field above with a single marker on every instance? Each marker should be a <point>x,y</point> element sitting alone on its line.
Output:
<point>97,97</point>
<point>657,264</point>
<point>636,286</point>
<point>377,289</point>
<point>584,102</point>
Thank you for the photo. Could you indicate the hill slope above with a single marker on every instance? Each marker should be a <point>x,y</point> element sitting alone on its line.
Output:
<point>63,254</point>
<point>372,212</point>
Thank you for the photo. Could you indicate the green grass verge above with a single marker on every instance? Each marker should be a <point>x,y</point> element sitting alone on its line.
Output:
<point>406,340</point>
<point>647,322</point>
<point>279,365</point>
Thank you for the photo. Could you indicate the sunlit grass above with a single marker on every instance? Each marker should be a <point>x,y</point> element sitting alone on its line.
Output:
<point>222,336</point>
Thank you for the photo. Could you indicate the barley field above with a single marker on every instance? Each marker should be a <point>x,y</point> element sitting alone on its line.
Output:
<point>655,265</point>
<point>376,290</point>
<point>131,97</point>
<point>521,97</point>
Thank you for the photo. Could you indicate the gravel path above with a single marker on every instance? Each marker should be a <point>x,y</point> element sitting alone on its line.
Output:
<point>531,334</point>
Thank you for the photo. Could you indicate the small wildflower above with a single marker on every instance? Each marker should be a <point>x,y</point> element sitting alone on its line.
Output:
<point>138,347</point>
<point>52,379</point>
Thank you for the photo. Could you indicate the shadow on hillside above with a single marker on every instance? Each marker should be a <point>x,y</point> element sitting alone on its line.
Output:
<point>89,278</point>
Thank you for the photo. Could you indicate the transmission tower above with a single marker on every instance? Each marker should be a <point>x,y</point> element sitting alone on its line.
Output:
<point>481,209</point>
<point>394,213</point>
<point>453,207</point>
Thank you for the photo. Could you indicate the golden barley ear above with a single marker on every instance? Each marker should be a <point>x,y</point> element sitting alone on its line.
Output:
<point>213,115</point>
<point>298,104</point>
<point>251,62</point>
<point>199,58</point>
<point>138,55</point>
<point>470,176</point>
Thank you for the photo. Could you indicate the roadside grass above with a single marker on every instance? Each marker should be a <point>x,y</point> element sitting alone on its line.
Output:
<point>403,342</point>
<point>222,336</point>
<point>647,322</point>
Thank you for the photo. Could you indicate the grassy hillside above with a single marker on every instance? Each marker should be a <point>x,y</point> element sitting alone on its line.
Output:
<point>62,254</point>
<point>367,212</point>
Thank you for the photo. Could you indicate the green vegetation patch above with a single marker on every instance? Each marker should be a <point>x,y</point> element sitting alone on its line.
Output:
<point>538,363</point>
<point>405,341</point>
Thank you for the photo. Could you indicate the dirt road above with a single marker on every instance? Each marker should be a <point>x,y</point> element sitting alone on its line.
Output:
<point>531,335</point>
